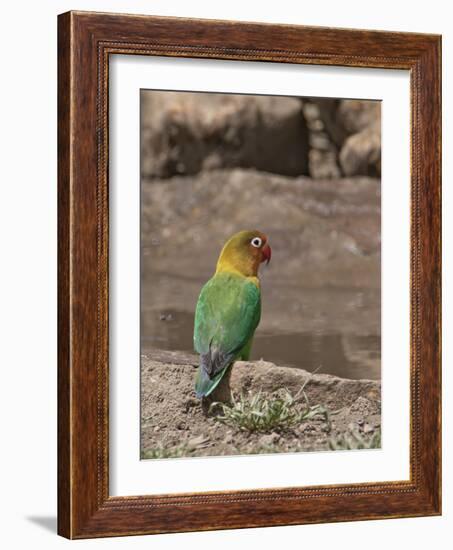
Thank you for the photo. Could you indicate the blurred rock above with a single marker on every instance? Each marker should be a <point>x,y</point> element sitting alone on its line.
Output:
<point>361,153</point>
<point>328,113</point>
<point>185,133</point>
<point>355,115</point>
<point>325,232</point>
<point>323,164</point>
<point>345,137</point>
<point>324,134</point>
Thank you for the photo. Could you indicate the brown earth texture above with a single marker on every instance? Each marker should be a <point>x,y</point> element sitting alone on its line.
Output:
<point>175,423</point>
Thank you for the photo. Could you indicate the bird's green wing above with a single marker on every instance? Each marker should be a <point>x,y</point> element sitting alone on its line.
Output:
<point>227,314</point>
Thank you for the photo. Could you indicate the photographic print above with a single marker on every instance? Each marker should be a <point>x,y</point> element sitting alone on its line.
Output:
<point>260,274</point>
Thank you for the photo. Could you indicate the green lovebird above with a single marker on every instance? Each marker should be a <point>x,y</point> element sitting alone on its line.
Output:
<point>229,308</point>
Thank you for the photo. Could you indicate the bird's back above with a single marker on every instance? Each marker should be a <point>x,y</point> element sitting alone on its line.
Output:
<point>227,314</point>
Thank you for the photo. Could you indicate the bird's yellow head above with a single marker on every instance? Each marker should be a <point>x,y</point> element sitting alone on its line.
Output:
<point>243,253</point>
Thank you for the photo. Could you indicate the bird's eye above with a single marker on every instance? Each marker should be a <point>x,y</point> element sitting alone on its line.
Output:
<point>256,242</point>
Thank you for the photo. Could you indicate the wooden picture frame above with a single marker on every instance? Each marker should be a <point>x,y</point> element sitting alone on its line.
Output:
<point>85,42</point>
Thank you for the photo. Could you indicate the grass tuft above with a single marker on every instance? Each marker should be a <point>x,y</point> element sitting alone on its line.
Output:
<point>262,413</point>
<point>162,452</point>
<point>177,451</point>
<point>353,440</point>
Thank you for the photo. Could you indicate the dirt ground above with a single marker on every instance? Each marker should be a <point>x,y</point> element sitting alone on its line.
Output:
<point>175,420</point>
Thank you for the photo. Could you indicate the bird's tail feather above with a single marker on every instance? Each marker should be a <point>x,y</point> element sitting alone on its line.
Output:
<point>205,385</point>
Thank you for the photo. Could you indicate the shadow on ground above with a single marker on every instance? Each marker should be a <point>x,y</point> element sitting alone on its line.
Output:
<point>48,523</point>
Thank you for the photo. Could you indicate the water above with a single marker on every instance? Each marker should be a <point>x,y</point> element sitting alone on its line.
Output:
<point>330,352</point>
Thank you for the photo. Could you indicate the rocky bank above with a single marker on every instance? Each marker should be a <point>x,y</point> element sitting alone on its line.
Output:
<point>174,419</point>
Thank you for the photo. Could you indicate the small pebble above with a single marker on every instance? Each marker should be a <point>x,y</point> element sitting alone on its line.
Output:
<point>228,438</point>
<point>166,317</point>
<point>269,439</point>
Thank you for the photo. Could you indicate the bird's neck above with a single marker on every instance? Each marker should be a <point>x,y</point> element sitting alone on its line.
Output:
<point>245,267</point>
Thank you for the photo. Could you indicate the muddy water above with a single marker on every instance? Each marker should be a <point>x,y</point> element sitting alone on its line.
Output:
<point>321,297</point>
<point>329,352</point>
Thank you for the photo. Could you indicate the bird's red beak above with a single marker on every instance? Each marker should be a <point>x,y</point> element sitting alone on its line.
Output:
<point>267,253</point>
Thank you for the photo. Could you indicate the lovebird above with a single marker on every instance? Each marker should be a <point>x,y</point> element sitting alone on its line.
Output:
<point>229,308</point>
